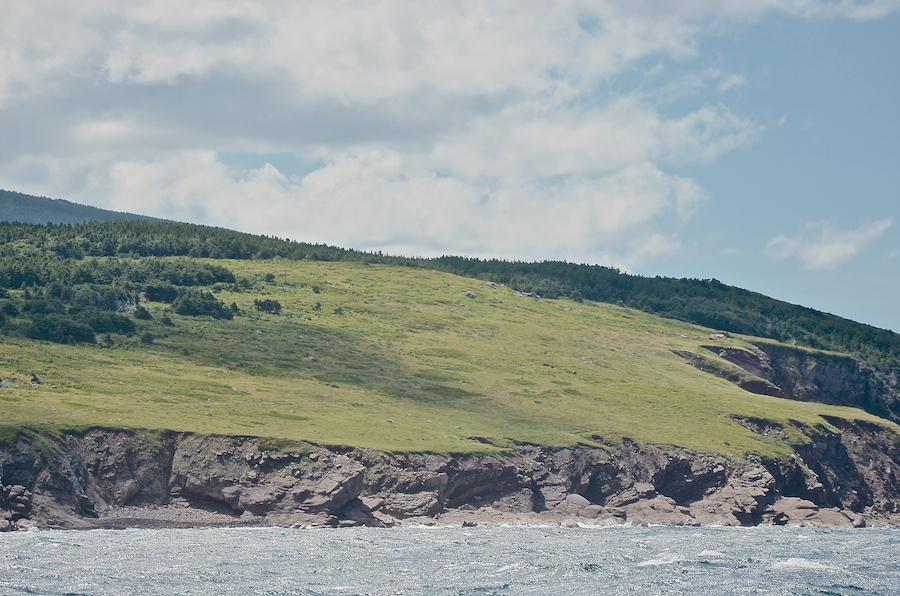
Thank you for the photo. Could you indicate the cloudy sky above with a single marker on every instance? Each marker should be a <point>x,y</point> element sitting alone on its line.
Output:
<point>754,141</point>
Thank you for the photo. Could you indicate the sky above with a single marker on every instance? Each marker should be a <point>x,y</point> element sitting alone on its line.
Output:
<point>752,141</point>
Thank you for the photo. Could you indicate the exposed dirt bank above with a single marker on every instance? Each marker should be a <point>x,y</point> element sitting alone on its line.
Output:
<point>816,377</point>
<point>116,479</point>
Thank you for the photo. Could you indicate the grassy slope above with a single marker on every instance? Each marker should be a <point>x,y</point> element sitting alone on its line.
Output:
<point>453,374</point>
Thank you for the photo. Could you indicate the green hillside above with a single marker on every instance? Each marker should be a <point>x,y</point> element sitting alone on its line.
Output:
<point>703,302</point>
<point>363,354</point>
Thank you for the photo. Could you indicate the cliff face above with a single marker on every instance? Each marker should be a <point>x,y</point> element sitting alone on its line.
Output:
<point>809,376</point>
<point>119,479</point>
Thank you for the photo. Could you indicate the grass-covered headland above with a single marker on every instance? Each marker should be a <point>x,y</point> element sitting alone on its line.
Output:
<point>161,325</point>
<point>705,302</point>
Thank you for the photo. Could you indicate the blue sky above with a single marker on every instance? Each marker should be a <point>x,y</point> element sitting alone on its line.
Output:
<point>753,141</point>
<point>835,160</point>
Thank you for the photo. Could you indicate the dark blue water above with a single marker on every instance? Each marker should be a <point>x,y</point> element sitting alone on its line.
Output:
<point>483,561</point>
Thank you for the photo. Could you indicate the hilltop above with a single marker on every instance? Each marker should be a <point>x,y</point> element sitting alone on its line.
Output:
<point>708,303</point>
<point>705,302</point>
<point>18,207</point>
<point>241,372</point>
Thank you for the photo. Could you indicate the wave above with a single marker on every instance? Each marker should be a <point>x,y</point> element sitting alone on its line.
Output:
<point>664,559</point>
<point>799,563</point>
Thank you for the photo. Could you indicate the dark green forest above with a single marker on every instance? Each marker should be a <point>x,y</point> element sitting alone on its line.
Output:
<point>15,206</point>
<point>79,276</point>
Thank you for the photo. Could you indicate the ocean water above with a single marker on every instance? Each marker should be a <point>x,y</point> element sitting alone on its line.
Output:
<point>452,561</point>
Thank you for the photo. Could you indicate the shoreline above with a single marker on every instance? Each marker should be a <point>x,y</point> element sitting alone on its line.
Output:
<point>176,517</point>
<point>121,479</point>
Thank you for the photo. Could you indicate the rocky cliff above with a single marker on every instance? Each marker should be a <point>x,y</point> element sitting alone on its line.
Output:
<point>815,376</point>
<point>129,479</point>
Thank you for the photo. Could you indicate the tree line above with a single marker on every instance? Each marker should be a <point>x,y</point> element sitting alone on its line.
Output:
<point>70,254</point>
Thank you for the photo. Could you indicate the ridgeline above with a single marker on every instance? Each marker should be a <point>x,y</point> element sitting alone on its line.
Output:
<point>15,206</point>
<point>32,255</point>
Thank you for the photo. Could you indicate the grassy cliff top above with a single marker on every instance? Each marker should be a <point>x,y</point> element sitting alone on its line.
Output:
<point>398,359</point>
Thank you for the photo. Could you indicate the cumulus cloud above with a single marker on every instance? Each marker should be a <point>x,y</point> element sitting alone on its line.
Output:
<point>362,52</point>
<point>381,201</point>
<point>467,126</point>
<point>822,247</point>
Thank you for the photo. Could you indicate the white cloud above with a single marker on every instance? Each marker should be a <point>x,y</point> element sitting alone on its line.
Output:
<point>525,143</point>
<point>822,247</point>
<point>358,51</point>
<point>383,200</point>
<point>107,133</point>
<point>732,81</point>
<point>848,9</point>
<point>352,52</point>
<point>474,126</point>
<point>705,134</point>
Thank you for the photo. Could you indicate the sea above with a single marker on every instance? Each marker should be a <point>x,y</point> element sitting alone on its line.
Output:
<point>451,561</point>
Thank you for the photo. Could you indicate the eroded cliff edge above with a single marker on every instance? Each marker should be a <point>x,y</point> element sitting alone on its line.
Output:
<point>806,375</point>
<point>845,476</point>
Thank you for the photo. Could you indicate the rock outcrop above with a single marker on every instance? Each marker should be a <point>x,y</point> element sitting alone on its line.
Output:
<point>120,479</point>
<point>805,375</point>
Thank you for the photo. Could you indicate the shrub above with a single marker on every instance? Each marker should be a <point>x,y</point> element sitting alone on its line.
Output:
<point>142,313</point>
<point>161,293</point>
<point>196,303</point>
<point>102,321</point>
<point>59,328</point>
<point>269,306</point>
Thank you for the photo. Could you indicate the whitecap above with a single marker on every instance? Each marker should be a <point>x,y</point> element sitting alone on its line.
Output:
<point>664,559</point>
<point>600,526</point>
<point>712,554</point>
<point>799,563</point>
<point>511,567</point>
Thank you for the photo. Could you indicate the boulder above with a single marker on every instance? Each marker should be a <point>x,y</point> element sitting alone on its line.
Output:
<point>591,512</point>
<point>794,511</point>
<point>572,505</point>
<point>402,506</point>
<point>740,502</point>
<point>659,510</point>
<point>357,513</point>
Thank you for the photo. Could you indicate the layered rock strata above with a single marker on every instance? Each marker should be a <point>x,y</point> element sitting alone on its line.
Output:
<point>119,479</point>
<point>804,375</point>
